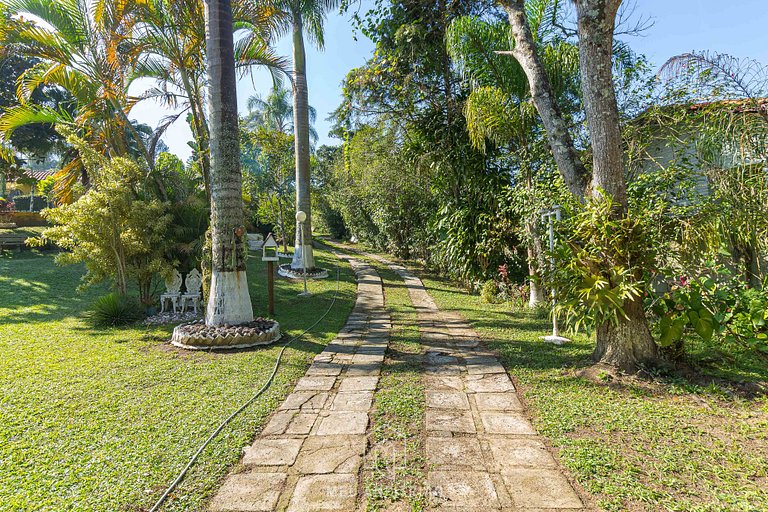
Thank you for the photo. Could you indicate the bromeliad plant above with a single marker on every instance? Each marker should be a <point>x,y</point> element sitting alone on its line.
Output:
<point>603,259</point>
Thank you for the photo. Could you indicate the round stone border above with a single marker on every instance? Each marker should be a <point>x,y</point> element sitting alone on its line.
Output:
<point>285,270</point>
<point>232,341</point>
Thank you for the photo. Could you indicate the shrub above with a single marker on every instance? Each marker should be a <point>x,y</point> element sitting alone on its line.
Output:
<point>114,309</point>
<point>114,228</point>
<point>6,208</point>
<point>489,291</point>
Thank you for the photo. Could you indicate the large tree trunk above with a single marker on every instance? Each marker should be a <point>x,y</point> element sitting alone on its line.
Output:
<point>629,342</point>
<point>228,300</point>
<point>303,253</point>
<point>560,141</point>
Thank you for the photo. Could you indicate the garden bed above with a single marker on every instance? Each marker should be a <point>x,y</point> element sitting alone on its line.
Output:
<point>198,336</point>
<point>285,270</point>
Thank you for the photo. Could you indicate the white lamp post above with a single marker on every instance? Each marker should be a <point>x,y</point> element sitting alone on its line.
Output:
<point>300,218</point>
<point>550,216</point>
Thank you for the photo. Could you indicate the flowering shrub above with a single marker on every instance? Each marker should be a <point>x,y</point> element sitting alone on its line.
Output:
<point>726,307</point>
<point>6,208</point>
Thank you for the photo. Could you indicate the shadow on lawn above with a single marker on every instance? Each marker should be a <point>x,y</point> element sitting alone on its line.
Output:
<point>36,291</point>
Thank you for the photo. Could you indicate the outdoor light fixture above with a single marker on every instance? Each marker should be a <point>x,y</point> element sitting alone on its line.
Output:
<point>300,218</point>
<point>550,216</point>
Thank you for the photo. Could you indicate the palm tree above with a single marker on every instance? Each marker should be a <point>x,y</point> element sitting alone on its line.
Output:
<point>171,38</point>
<point>499,109</point>
<point>304,15</point>
<point>228,301</point>
<point>276,112</point>
<point>86,49</point>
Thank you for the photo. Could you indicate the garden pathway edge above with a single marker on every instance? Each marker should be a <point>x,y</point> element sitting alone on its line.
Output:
<point>482,451</point>
<point>309,454</point>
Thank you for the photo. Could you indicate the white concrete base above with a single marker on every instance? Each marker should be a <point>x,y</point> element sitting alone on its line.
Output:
<point>286,271</point>
<point>556,340</point>
<point>298,262</point>
<point>228,299</point>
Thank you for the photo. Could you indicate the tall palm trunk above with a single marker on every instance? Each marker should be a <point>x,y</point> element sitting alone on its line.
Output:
<point>301,141</point>
<point>228,299</point>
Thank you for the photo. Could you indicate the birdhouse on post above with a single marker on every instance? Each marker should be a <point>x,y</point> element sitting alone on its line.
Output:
<point>269,249</point>
<point>269,254</point>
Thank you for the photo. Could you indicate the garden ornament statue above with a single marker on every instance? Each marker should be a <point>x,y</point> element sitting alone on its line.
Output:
<point>550,216</point>
<point>172,291</point>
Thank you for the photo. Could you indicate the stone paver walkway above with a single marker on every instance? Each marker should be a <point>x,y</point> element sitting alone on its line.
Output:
<point>482,452</point>
<point>308,456</point>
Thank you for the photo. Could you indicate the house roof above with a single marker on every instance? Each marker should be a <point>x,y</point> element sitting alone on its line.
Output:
<point>39,175</point>
<point>744,106</point>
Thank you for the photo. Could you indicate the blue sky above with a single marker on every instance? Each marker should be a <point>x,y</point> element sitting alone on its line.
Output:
<point>738,27</point>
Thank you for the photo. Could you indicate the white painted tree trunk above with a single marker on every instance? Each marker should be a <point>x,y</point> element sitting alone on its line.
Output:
<point>228,299</point>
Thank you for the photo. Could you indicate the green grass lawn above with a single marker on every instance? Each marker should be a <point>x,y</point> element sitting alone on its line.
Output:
<point>666,444</point>
<point>31,231</point>
<point>104,419</point>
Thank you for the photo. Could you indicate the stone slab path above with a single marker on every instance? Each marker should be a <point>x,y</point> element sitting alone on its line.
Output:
<point>482,451</point>
<point>308,456</point>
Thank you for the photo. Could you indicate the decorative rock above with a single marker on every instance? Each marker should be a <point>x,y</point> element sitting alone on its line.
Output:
<point>171,318</point>
<point>198,336</point>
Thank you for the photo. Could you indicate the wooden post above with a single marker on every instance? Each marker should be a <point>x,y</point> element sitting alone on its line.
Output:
<point>271,286</point>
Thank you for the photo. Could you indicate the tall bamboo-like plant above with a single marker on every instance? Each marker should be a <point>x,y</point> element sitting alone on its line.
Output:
<point>306,16</point>
<point>228,300</point>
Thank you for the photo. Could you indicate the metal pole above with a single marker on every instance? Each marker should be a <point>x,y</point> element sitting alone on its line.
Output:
<point>549,214</point>
<point>555,331</point>
<point>303,258</point>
